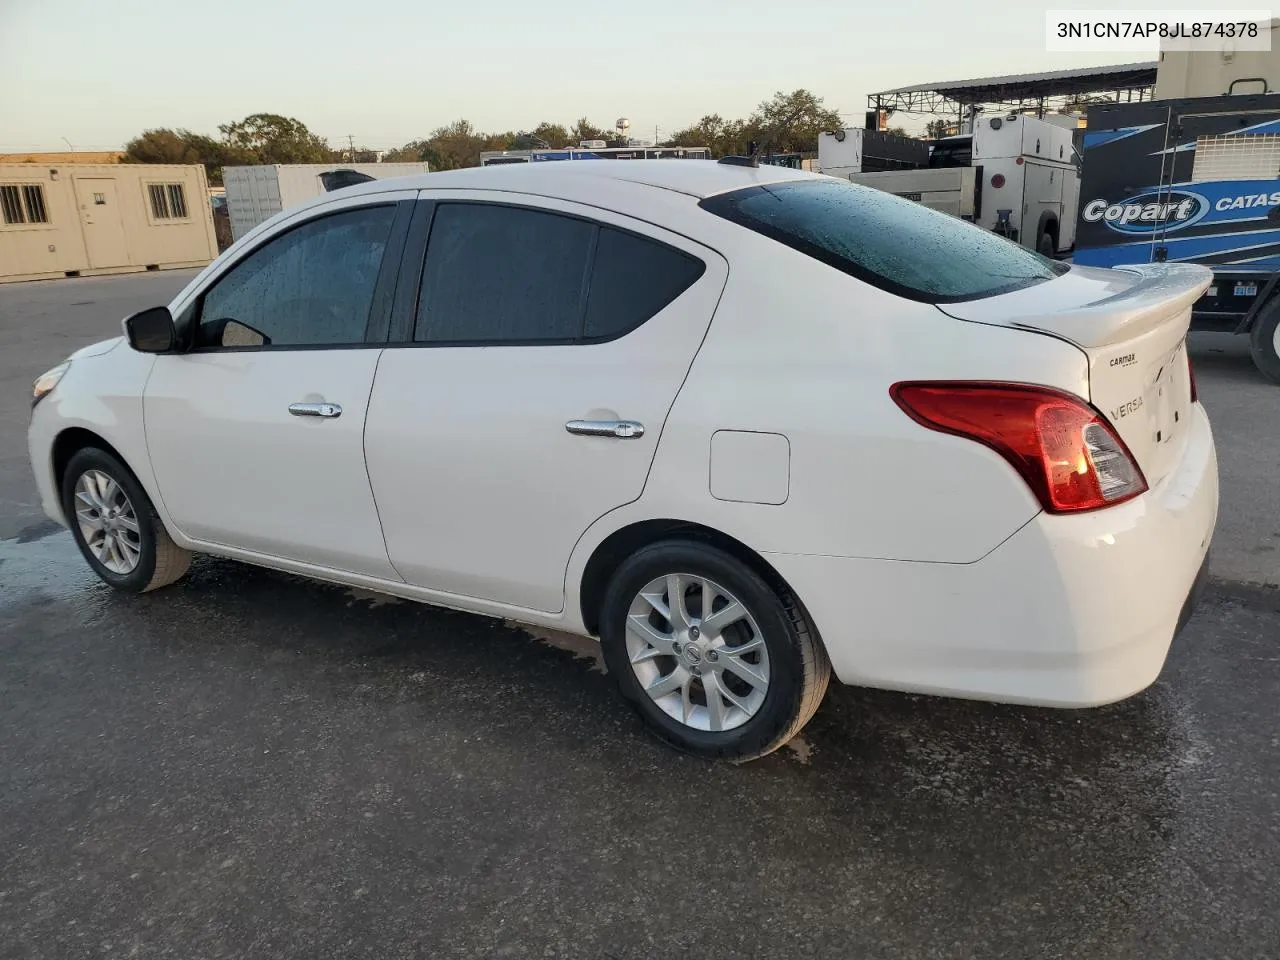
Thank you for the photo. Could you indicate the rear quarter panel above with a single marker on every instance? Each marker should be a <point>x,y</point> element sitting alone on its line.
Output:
<point>799,349</point>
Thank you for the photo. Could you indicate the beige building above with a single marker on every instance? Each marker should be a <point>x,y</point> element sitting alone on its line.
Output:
<point>58,221</point>
<point>1211,73</point>
<point>59,158</point>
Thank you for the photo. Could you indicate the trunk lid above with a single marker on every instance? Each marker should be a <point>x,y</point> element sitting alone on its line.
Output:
<point>1131,324</point>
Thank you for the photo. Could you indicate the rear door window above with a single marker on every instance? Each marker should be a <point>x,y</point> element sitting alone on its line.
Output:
<point>634,277</point>
<point>499,274</point>
<point>889,242</point>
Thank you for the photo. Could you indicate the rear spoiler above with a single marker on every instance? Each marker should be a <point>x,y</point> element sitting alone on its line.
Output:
<point>1163,291</point>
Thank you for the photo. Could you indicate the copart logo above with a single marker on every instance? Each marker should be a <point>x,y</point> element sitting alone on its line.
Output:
<point>1149,212</point>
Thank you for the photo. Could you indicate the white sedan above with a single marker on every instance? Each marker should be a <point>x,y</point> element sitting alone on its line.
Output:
<point>746,425</point>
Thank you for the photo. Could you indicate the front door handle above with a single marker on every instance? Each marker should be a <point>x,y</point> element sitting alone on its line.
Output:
<point>619,429</point>
<point>327,410</point>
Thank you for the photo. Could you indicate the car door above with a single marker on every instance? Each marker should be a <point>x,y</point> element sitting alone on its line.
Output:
<point>255,432</point>
<point>544,347</point>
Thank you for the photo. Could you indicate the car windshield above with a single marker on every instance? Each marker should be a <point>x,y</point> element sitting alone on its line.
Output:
<point>892,243</point>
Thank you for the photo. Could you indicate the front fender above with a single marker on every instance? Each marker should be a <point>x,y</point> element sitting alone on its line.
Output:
<point>103,395</point>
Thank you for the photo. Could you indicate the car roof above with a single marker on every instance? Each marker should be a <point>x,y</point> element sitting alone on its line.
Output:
<point>695,178</point>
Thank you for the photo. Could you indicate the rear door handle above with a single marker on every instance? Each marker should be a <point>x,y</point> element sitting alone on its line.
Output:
<point>327,410</point>
<point>618,429</point>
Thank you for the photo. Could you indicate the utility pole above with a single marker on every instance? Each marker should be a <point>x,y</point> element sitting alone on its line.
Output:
<point>351,144</point>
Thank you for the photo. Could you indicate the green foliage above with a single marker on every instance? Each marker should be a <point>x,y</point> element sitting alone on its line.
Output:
<point>724,137</point>
<point>937,129</point>
<point>785,123</point>
<point>260,138</point>
<point>584,129</point>
<point>553,135</point>
<point>271,138</point>
<point>791,122</point>
<point>182,146</point>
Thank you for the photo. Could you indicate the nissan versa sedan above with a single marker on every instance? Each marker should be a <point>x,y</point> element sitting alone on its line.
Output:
<point>748,426</point>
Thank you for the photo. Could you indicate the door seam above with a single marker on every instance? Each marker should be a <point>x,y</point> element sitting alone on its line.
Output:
<point>364,456</point>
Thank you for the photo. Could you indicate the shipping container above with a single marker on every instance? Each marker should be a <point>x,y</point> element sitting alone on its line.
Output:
<point>90,219</point>
<point>255,194</point>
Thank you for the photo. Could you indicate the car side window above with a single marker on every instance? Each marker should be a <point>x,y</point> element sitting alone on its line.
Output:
<point>496,273</point>
<point>632,279</point>
<point>311,286</point>
<point>503,274</point>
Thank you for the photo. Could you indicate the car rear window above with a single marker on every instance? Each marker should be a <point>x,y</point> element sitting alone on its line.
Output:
<point>892,243</point>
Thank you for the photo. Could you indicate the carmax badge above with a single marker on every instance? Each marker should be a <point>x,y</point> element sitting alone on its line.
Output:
<point>1149,212</point>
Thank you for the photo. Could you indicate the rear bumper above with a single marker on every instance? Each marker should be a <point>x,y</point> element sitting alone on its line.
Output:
<point>1070,611</point>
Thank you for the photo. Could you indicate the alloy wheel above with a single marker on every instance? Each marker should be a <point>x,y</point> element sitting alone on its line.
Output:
<point>107,522</point>
<point>697,652</point>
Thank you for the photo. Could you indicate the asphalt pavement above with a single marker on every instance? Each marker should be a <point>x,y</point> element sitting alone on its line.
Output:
<point>249,764</point>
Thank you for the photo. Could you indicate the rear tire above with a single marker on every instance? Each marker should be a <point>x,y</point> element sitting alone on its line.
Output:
<point>134,553</point>
<point>1046,247</point>
<point>1264,341</point>
<point>764,694</point>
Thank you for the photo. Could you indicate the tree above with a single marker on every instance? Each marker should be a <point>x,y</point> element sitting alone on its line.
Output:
<point>272,138</point>
<point>553,135</point>
<point>723,137</point>
<point>584,129</point>
<point>182,146</point>
<point>937,129</point>
<point>161,145</point>
<point>791,122</point>
<point>897,132</point>
<point>411,152</point>
<point>450,147</point>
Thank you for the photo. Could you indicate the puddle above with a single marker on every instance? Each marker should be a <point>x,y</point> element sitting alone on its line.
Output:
<point>583,648</point>
<point>372,597</point>
<point>800,749</point>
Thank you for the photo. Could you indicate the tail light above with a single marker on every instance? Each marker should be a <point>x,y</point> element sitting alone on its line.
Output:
<point>997,180</point>
<point>1064,449</point>
<point>1191,377</point>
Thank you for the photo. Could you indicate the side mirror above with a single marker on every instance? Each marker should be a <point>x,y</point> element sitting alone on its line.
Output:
<point>151,331</point>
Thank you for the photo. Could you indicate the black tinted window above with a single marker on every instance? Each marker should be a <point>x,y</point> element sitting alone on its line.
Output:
<point>634,278</point>
<point>892,243</point>
<point>496,273</point>
<point>313,285</point>
<point>952,152</point>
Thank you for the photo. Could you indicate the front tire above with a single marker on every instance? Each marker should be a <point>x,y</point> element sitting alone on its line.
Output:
<point>1264,341</point>
<point>1046,246</point>
<point>116,526</point>
<point>718,662</point>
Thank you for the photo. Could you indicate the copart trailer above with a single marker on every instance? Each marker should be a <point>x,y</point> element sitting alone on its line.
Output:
<point>1193,181</point>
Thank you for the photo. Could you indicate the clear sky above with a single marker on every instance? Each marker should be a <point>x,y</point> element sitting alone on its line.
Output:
<point>387,71</point>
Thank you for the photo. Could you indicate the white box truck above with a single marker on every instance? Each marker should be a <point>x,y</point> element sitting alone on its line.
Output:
<point>257,193</point>
<point>1016,175</point>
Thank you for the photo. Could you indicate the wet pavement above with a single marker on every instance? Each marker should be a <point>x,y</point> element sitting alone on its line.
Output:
<point>249,764</point>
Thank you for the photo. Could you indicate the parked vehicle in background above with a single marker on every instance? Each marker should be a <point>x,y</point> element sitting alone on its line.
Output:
<point>854,150</point>
<point>1193,181</point>
<point>591,151</point>
<point>1015,175</point>
<point>257,193</point>
<point>561,393</point>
